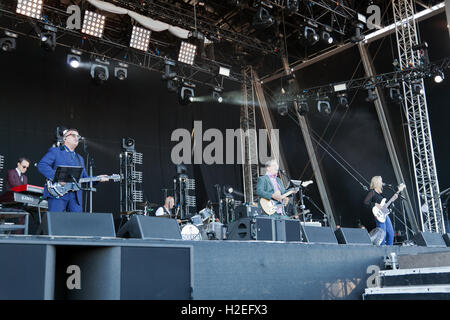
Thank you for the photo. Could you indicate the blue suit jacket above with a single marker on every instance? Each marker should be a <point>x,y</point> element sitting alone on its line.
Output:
<point>265,189</point>
<point>59,156</point>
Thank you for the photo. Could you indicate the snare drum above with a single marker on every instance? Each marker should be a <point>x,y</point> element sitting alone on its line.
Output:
<point>190,232</point>
<point>197,220</point>
<point>206,215</point>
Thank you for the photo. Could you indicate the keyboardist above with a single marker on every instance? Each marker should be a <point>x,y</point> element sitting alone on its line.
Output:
<point>16,177</point>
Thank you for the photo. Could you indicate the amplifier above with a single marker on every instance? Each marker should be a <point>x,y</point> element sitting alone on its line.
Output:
<point>245,211</point>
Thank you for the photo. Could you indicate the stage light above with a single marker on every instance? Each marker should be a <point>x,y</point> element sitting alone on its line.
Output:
<point>282,107</point>
<point>371,95</point>
<point>128,144</point>
<point>140,38</point>
<point>74,60</point>
<point>292,6</point>
<point>326,36</point>
<point>121,72</point>
<point>302,105</point>
<point>262,19</point>
<point>185,95</point>
<point>99,71</point>
<point>228,191</point>
<point>358,36</point>
<point>395,94</point>
<point>323,105</point>
<point>93,24</point>
<point>187,53</point>
<point>438,76</point>
<point>309,36</point>
<point>8,43</point>
<point>48,38</point>
<point>417,88</point>
<point>342,100</point>
<point>224,71</point>
<point>30,8</point>
<point>217,96</point>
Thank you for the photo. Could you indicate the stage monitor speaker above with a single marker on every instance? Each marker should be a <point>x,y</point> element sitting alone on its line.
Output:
<point>447,239</point>
<point>312,234</point>
<point>245,211</point>
<point>288,230</point>
<point>429,239</point>
<point>143,227</point>
<point>352,236</point>
<point>240,229</point>
<point>77,224</point>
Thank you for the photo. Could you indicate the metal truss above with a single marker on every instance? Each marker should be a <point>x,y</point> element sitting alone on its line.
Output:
<point>415,106</point>
<point>205,72</point>
<point>249,142</point>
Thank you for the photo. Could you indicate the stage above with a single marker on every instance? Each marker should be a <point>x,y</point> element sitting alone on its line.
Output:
<point>58,267</point>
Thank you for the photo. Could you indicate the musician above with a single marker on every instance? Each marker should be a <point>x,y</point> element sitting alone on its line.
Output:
<point>373,198</point>
<point>16,177</point>
<point>270,186</point>
<point>64,155</point>
<point>165,210</point>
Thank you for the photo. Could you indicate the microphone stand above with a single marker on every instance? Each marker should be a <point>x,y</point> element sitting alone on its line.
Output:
<point>325,220</point>
<point>218,189</point>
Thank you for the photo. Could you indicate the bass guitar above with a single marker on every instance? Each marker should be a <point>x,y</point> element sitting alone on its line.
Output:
<point>381,210</point>
<point>57,190</point>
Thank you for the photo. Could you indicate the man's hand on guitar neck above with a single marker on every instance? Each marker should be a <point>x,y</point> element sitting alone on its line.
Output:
<point>103,178</point>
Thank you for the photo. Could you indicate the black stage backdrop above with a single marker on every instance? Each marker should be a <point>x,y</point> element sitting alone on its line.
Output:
<point>39,92</point>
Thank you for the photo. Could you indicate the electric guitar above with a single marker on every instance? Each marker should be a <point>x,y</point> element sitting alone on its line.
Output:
<point>382,210</point>
<point>270,206</point>
<point>57,190</point>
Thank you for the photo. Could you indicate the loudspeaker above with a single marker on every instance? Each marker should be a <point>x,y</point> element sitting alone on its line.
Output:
<point>312,234</point>
<point>245,211</point>
<point>288,230</point>
<point>77,224</point>
<point>265,229</point>
<point>352,236</point>
<point>429,239</point>
<point>144,227</point>
<point>447,239</point>
<point>240,229</point>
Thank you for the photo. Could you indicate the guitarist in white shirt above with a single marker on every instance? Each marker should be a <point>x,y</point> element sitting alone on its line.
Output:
<point>374,198</point>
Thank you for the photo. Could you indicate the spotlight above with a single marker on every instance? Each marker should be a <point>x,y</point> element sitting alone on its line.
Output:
<point>282,107</point>
<point>371,95</point>
<point>292,6</point>
<point>140,38</point>
<point>187,53</point>
<point>262,19</point>
<point>302,105</point>
<point>99,71</point>
<point>228,190</point>
<point>121,72</point>
<point>30,8</point>
<point>128,144</point>
<point>323,105</point>
<point>224,71</point>
<point>217,95</point>
<point>93,24</point>
<point>438,76</point>
<point>342,100</point>
<point>326,36</point>
<point>358,36</point>
<point>8,43</point>
<point>395,94</point>
<point>309,36</point>
<point>418,89</point>
<point>73,60</point>
<point>185,95</point>
<point>48,38</point>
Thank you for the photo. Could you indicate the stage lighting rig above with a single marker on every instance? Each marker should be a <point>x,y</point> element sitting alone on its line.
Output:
<point>128,144</point>
<point>186,93</point>
<point>74,58</point>
<point>30,8</point>
<point>342,100</point>
<point>93,24</point>
<point>140,38</point>
<point>217,95</point>
<point>438,75</point>
<point>417,88</point>
<point>358,36</point>
<point>187,53</point>
<point>48,38</point>
<point>326,37</point>
<point>170,76</point>
<point>309,36</point>
<point>323,105</point>
<point>395,94</point>
<point>99,71</point>
<point>302,105</point>
<point>121,71</point>
<point>8,43</point>
<point>371,95</point>
<point>292,6</point>
<point>262,19</point>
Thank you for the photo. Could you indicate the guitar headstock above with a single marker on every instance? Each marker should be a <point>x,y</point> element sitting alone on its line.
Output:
<point>116,177</point>
<point>306,183</point>
<point>401,187</point>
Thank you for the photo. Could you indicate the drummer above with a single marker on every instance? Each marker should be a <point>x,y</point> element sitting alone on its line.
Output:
<point>166,209</point>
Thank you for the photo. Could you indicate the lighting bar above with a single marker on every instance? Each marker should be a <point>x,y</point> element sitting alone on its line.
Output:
<point>30,8</point>
<point>187,53</point>
<point>224,71</point>
<point>93,24</point>
<point>140,38</point>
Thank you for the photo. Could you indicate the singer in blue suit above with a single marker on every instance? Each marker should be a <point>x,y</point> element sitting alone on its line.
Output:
<point>64,155</point>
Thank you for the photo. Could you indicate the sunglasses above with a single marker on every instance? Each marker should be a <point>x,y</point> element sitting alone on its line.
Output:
<point>74,135</point>
<point>25,167</point>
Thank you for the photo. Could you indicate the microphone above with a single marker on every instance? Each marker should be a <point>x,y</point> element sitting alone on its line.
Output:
<point>81,138</point>
<point>387,184</point>
<point>282,171</point>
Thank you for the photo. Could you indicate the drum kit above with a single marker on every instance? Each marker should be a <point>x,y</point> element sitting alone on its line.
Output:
<point>203,226</point>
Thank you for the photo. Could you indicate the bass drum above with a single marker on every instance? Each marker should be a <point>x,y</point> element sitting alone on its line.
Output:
<point>190,232</point>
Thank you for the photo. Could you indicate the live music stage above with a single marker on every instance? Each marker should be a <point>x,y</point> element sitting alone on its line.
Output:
<point>114,112</point>
<point>113,268</point>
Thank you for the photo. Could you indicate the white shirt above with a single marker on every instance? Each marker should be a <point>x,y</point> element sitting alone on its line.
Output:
<point>160,211</point>
<point>20,175</point>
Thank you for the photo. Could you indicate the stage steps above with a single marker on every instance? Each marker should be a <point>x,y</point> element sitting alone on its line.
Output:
<point>413,277</point>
